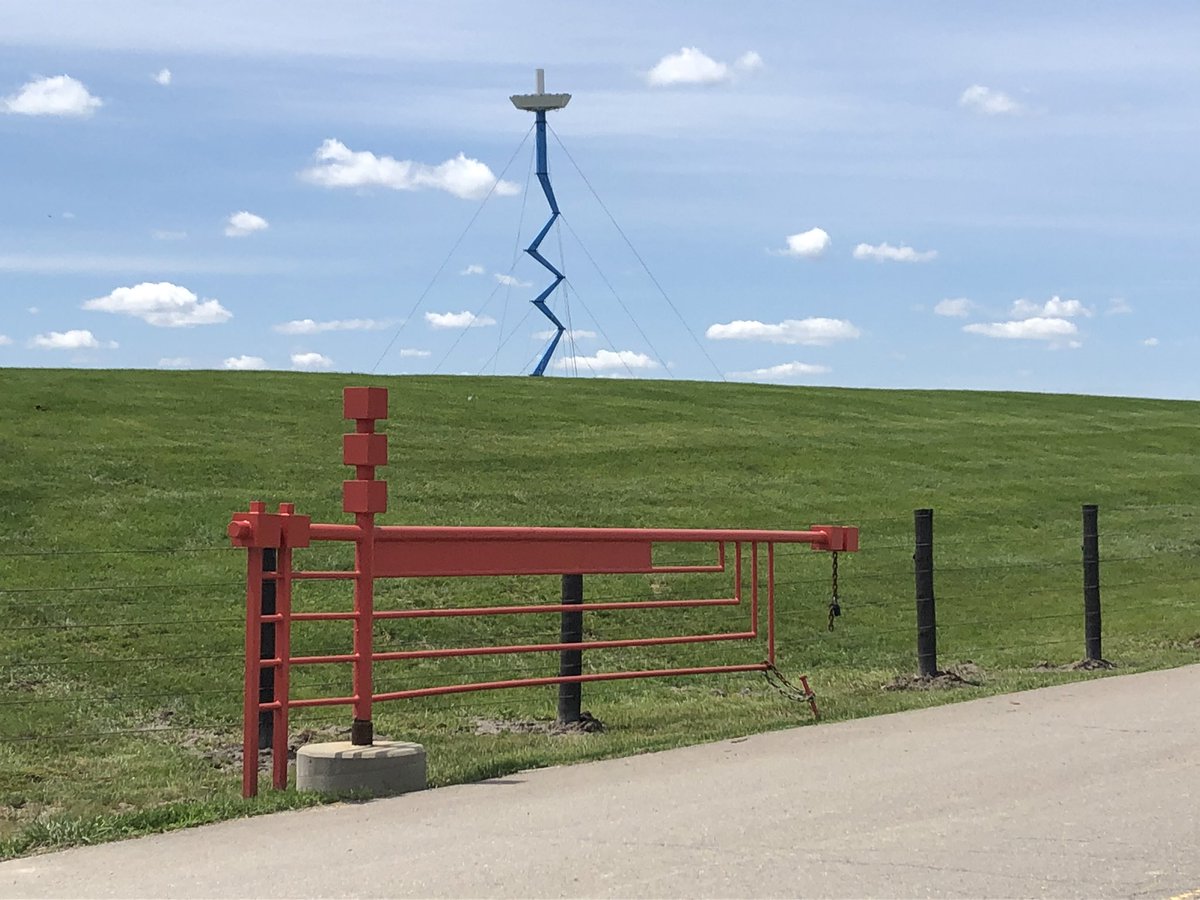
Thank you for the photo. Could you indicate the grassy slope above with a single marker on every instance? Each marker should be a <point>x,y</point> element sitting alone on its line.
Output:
<point>124,460</point>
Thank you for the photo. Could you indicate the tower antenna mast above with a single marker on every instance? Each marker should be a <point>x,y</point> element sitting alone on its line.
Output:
<point>539,104</point>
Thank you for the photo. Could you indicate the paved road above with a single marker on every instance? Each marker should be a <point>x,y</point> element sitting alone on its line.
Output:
<point>1084,790</point>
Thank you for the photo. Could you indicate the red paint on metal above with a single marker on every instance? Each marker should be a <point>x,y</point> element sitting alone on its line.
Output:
<point>407,551</point>
<point>431,558</point>
<point>837,538</point>
<point>250,704</point>
<point>771,604</point>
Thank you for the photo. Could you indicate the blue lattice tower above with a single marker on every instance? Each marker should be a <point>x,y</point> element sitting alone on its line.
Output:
<point>539,104</point>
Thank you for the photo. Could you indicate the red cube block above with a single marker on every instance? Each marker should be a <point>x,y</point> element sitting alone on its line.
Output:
<point>364,496</point>
<point>364,403</point>
<point>364,449</point>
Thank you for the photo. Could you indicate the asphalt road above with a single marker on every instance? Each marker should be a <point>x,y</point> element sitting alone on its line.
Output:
<point>1084,790</point>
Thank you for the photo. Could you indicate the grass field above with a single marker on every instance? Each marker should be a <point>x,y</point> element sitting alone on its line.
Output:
<point>120,602</point>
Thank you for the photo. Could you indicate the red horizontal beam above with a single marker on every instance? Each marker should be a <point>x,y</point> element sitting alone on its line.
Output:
<point>513,610</point>
<point>579,645</point>
<point>454,556</point>
<point>324,701</point>
<point>391,533</point>
<point>563,679</point>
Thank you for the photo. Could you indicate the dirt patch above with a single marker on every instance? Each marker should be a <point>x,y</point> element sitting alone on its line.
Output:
<point>224,749</point>
<point>963,674</point>
<point>1082,665</point>
<point>1089,665</point>
<point>587,724</point>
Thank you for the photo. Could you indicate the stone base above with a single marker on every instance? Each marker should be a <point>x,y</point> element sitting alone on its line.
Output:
<point>382,769</point>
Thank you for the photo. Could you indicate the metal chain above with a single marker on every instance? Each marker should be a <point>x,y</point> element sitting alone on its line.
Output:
<point>779,681</point>
<point>835,608</point>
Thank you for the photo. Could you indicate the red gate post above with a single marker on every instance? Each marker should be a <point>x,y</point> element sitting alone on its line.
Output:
<point>251,699</point>
<point>364,496</point>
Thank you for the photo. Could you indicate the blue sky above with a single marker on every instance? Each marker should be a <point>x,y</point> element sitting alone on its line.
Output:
<point>932,195</point>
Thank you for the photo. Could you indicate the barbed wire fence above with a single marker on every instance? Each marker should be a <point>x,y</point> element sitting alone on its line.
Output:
<point>121,669</point>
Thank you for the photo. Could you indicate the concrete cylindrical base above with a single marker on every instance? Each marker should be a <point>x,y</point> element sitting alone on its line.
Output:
<point>381,769</point>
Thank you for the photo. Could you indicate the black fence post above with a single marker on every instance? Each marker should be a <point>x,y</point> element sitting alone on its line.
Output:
<point>926,610</point>
<point>1091,582</point>
<point>570,662</point>
<point>266,644</point>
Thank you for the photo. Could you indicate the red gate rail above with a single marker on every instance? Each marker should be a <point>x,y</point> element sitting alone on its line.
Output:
<point>407,551</point>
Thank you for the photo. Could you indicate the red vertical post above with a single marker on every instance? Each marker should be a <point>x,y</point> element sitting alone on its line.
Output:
<point>283,651</point>
<point>361,730</point>
<point>771,604</point>
<point>754,587</point>
<point>364,497</point>
<point>250,703</point>
<point>737,571</point>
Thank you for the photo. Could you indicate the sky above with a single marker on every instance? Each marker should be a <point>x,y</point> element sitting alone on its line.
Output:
<point>945,195</point>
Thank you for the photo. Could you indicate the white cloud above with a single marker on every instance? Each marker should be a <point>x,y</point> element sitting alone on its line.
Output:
<point>5,340</point>
<point>163,304</point>
<point>174,362</point>
<point>781,371</point>
<point>163,77</point>
<point>1055,308</point>
<point>245,362</point>
<point>1118,306</point>
<point>749,62</point>
<point>60,95</point>
<point>957,306</point>
<point>413,353</point>
<point>243,223</point>
<point>458,320</point>
<point>886,252</point>
<point>688,66</point>
<point>578,334</point>
<point>160,234</point>
<point>989,102</point>
<point>607,361</point>
<point>692,66</point>
<point>1036,328</point>
<point>807,244</point>
<point>511,281</point>
<point>68,215</point>
<point>76,339</point>
<point>311,326</point>
<point>473,269</point>
<point>311,362</point>
<point>1150,342</point>
<point>33,310</point>
<point>339,166</point>
<point>813,331</point>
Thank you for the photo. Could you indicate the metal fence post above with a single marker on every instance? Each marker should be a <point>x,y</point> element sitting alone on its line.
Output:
<point>1091,582</point>
<point>926,609</point>
<point>570,662</point>
<point>266,650</point>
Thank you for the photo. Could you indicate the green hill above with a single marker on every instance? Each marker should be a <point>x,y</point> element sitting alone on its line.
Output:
<point>121,603</point>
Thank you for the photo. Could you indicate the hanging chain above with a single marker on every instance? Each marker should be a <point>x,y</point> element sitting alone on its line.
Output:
<point>835,608</point>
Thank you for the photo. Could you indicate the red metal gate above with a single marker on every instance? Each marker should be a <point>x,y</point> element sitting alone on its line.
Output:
<point>392,551</point>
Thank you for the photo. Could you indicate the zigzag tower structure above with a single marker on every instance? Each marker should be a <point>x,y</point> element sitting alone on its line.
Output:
<point>539,104</point>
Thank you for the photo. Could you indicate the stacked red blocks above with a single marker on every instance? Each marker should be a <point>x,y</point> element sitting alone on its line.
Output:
<point>364,449</point>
